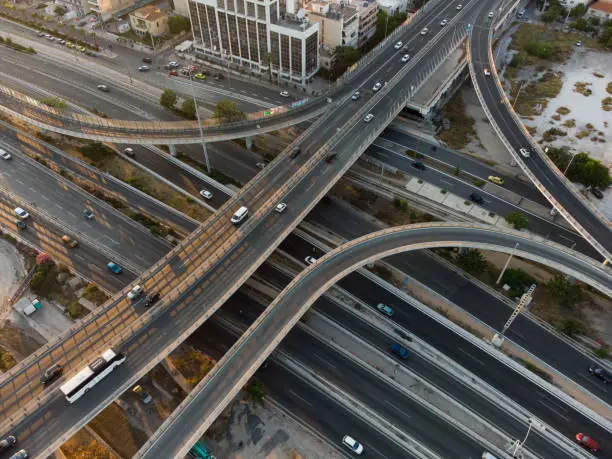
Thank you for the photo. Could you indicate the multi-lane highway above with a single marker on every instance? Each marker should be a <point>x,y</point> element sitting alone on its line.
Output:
<point>550,178</point>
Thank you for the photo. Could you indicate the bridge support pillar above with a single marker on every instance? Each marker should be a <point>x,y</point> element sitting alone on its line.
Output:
<point>172,149</point>
<point>249,142</point>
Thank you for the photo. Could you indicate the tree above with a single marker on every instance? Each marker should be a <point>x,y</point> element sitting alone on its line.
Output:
<point>567,292</point>
<point>44,259</point>
<point>518,280</point>
<point>188,108</point>
<point>344,57</point>
<point>552,14</point>
<point>168,98</point>
<point>59,10</point>
<point>572,327</point>
<point>578,10</point>
<point>472,261</point>
<point>228,111</point>
<point>256,391</point>
<point>177,24</point>
<point>518,220</point>
<point>386,24</point>
<point>589,171</point>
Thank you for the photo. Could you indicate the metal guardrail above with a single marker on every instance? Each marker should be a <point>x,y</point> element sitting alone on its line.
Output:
<point>577,226</point>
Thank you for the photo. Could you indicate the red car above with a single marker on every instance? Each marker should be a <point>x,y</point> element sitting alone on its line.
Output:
<point>172,73</point>
<point>587,442</point>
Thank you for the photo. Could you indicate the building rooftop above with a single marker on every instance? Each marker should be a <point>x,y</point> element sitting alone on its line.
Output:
<point>335,11</point>
<point>602,5</point>
<point>149,13</point>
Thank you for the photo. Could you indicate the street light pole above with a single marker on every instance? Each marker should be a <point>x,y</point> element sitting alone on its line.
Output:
<point>506,265</point>
<point>568,165</point>
<point>517,94</point>
<point>195,104</point>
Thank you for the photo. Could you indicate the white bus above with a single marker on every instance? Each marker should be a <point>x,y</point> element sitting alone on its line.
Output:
<point>91,375</point>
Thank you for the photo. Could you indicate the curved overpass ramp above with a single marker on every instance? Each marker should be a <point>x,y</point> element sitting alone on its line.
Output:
<point>215,392</point>
<point>552,183</point>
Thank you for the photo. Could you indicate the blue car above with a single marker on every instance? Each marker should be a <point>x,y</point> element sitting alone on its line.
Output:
<point>113,267</point>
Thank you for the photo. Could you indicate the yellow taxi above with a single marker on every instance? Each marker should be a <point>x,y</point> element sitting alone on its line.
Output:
<point>496,180</point>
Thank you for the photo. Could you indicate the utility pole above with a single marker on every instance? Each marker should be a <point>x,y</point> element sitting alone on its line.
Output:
<point>506,265</point>
<point>195,103</point>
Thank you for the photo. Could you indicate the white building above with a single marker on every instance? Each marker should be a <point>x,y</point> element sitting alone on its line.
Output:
<point>257,35</point>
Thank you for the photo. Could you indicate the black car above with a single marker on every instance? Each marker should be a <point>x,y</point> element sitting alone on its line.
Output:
<point>147,60</point>
<point>419,165</point>
<point>88,214</point>
<point>151,300</point>
<point>7,442</point>
<point>600,373</point>
<point>476,198</point>
<point>51,374</point>
<point>21,224</point>
<point>597,193</point>
<point>295,153</point>
<point>330,158</point>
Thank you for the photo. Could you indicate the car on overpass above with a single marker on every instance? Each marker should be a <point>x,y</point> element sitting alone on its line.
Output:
<point>600,373</point>
<point>405,58</point>
<point>114,267</point>
<point>206,194</point>
<point>444,22</point>
<point>21,213</point>
<point>136,291</point>
<point>398,45</point>
<point>352,444</point>
<point>524,152</point>
<point>587,442</point>
<point>487,72</point>
<point>369,117</point>
<point>377,86</point>
<point>356,95</point>
<point>7,442</point>
<point>386,310</point>
<point>5,154</point>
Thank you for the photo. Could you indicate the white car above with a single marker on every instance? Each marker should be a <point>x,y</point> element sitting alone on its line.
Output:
<point>524,152</point>
<point>173,64</point>
<point>369,117</point>
<point>352,444</point>
<point>135,292</point>
<point>206,194</point>
<point>129,151</point>
<point>310,260</point>
<point>459,6</point>
<point>5,154</point>
<point>487,72</point>
<point>424,31</point>
<point>261,165</point>
<point>356,95</point>
<point>103,88</point>
<point>398,45</point>
<point>490,14</point>
<point>377,87</point>
<point>405,58</point>
<point>144,68</point>
<point>22,214</point>
<point>444,22</point>
<point>284,94</point>
<point>280,207</point>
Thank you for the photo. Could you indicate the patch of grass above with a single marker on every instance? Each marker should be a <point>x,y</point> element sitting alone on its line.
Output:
<point>563,110</point>
<point>598,75</point>
<point>583,88</point>
<point>94,294</point>
<point>606,104</point>
<point>552,134</point>
<point>461,129</point>
<point>609,87</point>
<point>570,123</point>
<point>193,364</point>
<point>556,117</point>
<point>582,134</point>
<point>536,94</point>
<point>7,361</point>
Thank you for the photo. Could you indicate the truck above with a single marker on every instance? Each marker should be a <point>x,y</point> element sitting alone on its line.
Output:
<point>399,351</point>
<point>32,307</point>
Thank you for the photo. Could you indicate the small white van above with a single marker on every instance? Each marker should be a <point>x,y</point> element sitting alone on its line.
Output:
<point>240,215</point>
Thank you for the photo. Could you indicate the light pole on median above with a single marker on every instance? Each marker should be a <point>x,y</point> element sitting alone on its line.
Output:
<point>568,165</point>
<point>195,104</point>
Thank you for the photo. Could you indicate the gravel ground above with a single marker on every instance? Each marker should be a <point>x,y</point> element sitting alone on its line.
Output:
<point>12,270</point>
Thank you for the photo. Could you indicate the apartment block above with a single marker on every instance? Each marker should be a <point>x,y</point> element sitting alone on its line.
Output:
<point>338,23</point>
<point>257,35</point>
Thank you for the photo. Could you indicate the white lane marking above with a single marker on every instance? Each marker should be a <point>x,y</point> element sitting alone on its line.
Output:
<point>266,98</point>
<point>58,206</point>
<point>44,197</point>
<point>448,183</point>
<point>19,181</point>
<point>301,398</point>
<point>33,189</point>
<point>96,268</point>
<point>78,257</point>
<point>553,410</point>
<point>471,356</point>
<point>323,360</point>
<point>71,213</point>
<point>396,409</point>
<point>379,453</point>
<point>110,239</point>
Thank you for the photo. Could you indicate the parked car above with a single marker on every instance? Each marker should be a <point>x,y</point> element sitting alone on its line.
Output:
<point>579,44</point>
<point>600,373</point>
<point>103,88</point>
<point>310,260</point>
<point>5,154</point>
<point>476,198</point>
<point>173,65</point>
<point>152,299</point>
<point>114,267</point>
<point>352,444</point>
<point>21,213</point>
<point>67,240</point>
<point>597,193</point>
<point>385,309</point>
<point>400,351</point>
<point>7,442</point>
<point>356,95</point>
<point>280,207</point>
<point>398,45</point>
<point>284,94</point>
<point>369,117</point>
<point>495,179</point>
<point>51,374</point>
<point>206,194</point>
<point>145,397</point>
<point>136,291</point>
<point>587,442</point>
